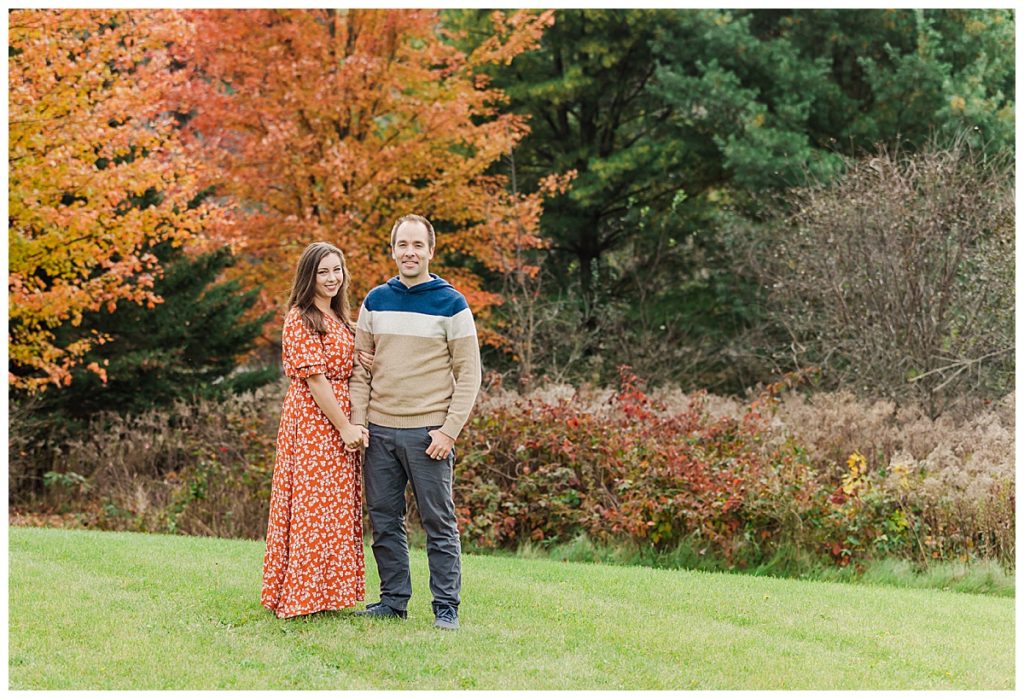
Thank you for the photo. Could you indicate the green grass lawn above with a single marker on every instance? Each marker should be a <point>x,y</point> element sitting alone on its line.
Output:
<point>102,610</point>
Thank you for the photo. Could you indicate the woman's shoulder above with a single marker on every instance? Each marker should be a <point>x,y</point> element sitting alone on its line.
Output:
<point>293,320</point>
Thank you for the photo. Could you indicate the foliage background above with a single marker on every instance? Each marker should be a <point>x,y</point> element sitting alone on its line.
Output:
<point>763,205</point>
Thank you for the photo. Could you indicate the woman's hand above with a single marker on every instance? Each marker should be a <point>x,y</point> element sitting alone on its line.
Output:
<point>354,436</point>
<point>365,358</point>
<point>327,401</point>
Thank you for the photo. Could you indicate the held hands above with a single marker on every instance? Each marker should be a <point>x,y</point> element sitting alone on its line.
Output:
<point>355,436</point>
<point>441,445</point>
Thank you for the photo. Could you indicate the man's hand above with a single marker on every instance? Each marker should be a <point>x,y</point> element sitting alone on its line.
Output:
<point>365,359</point>
<point>441,445</point>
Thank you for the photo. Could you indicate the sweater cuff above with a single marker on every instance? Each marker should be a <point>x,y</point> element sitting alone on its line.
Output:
<point>452,428</point>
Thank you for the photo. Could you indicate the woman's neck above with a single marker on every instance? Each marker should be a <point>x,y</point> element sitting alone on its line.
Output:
<point>324,306</point>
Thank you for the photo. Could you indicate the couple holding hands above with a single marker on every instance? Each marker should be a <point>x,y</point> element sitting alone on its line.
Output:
<point>400,382</point>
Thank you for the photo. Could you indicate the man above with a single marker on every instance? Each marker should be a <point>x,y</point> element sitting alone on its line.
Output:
<point>415,400</point>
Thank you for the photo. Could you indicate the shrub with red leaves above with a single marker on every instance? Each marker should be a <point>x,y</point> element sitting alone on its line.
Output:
<point>541,471</point>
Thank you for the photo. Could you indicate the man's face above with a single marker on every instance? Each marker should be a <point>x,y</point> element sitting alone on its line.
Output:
<point>412,252</point>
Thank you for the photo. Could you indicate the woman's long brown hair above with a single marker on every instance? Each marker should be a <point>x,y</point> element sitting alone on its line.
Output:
<point>304,288</point>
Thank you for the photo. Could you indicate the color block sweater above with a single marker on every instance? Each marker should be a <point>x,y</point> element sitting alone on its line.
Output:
<point>426,360</point>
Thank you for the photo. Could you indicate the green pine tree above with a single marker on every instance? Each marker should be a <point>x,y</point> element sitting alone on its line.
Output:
<point>679,122</point>
<point>184,348</point>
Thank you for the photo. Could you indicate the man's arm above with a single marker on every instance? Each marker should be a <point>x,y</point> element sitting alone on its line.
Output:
<point>465,353</point>
<point>359,383</point>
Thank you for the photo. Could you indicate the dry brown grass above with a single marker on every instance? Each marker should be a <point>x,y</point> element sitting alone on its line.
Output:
<point>202,468</point>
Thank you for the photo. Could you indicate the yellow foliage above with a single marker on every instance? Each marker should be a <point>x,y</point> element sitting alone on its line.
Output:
<point>88,93</point>
<point>857,467</point>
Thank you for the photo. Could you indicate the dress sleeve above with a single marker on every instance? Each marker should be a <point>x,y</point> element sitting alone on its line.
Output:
<point>301,348</point>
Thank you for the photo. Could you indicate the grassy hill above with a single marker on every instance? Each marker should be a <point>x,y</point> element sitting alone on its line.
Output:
<point>102,610</point>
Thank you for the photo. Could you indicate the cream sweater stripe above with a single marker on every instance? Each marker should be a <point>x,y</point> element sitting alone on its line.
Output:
<point>417,324</point>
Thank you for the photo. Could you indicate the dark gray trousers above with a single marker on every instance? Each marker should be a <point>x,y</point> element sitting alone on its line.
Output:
<point>395,457</point>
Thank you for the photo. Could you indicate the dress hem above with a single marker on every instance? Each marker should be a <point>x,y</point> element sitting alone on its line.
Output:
<point>314,611</point>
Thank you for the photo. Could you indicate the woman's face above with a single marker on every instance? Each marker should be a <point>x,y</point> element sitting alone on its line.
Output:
<point>329,277</point>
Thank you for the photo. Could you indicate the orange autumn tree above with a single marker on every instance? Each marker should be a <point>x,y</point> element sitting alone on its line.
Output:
<point>97,174</point>
<point>329,124</point>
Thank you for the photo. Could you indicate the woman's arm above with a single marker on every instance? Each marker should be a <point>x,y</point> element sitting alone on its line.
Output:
<point>323,394</point>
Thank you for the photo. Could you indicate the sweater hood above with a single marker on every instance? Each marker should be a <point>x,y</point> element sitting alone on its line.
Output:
<point>434,284</point>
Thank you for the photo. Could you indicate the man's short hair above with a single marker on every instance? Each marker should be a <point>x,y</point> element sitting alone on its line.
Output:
<point>418,219</point>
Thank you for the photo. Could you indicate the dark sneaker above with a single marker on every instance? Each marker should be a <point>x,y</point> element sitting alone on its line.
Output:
<point>379,610</point>
<point>446,617</point>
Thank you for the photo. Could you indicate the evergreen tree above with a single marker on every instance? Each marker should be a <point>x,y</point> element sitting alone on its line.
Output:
<point>680,121</point>
<point>781,94</point>
<point>587,93</point>
<point>186,347</point>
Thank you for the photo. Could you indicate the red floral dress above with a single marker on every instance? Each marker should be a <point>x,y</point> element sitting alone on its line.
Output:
<point>314,558</point>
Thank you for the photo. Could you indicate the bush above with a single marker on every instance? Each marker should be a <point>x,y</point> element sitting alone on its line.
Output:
<point>781,481</point>
<point>624,469</point>
<point>897,279</point>
<point>952,477</point>
<point>740,482</point>
<point>194,468</point>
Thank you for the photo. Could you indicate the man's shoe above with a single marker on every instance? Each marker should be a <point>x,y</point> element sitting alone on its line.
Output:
<point>379,610</point>
<point>446,617</point>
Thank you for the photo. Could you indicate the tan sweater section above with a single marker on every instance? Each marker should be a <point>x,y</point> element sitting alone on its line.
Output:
<point>425,373</point>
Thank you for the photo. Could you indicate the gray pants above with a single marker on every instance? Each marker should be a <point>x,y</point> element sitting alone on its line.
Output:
<point>396,457</point>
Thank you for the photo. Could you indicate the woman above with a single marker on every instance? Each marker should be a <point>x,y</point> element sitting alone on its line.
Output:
<point>314,558</point>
